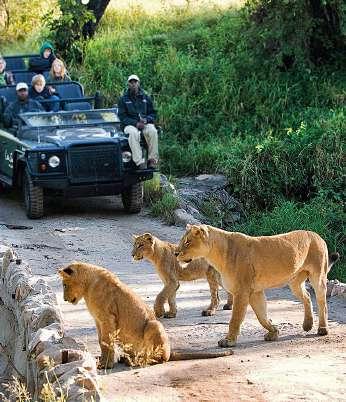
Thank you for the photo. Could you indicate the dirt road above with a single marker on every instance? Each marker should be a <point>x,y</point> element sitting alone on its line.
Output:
<point>300,366</point>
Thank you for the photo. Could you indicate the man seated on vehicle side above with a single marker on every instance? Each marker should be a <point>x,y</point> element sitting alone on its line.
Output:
<point>137,114</point>
<point>23,104</point>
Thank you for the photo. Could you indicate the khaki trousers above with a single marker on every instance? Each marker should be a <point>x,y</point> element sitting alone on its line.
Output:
<point>150,135</point>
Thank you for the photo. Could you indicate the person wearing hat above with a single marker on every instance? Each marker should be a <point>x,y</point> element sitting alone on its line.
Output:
<point>23,104</point>
<point>137,115</point>
<point>44,61</point>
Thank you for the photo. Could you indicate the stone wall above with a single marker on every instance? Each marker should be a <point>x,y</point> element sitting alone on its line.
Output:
<point>32,336</point>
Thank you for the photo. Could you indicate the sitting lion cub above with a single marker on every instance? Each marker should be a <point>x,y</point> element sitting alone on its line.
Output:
<point>118,310</point>
<point>249,265</point>
<point>161,254</point>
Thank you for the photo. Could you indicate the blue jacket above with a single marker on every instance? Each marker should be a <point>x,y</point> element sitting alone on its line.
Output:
<point>130,108</point>
<point>15,108</point>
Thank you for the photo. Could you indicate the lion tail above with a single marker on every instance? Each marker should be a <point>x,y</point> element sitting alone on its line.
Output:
<point>333,258</point>
<point>177,355</point>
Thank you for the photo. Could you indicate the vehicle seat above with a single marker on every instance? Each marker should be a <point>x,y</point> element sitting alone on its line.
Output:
<point>77,106</point>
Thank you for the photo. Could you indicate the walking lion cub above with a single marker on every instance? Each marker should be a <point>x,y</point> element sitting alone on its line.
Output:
<point>161,254</point>
<point>118,311</point>
<point>249,265</point>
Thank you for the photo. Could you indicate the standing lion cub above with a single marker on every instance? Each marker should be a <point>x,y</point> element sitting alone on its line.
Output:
<point>116,309</point>
<point>249,265</point>
<point>161,254</point>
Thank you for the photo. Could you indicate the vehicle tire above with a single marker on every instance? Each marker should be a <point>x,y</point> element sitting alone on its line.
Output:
<point>33,197</point>
<point>132,198</point>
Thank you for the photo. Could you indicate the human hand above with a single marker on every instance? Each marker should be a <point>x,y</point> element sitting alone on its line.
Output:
<point>51,90</point>
<point>140,125</point>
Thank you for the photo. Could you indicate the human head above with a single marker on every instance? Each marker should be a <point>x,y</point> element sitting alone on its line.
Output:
<point>2,64</point>
<point>38,82</point>
<point>58,69</point>
<point>46,50</point>
<point>22,91</point>
<point>133,83</point>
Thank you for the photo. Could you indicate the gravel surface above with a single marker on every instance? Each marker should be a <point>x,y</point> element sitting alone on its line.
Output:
<point>300,366</point>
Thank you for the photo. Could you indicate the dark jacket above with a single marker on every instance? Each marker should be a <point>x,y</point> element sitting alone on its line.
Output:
<point>45,94</point>
<point>130,108</point>
<point>40,64</point>
<point>15,108</point>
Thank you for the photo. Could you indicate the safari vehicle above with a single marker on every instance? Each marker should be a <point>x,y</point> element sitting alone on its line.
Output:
<point>73,153</point>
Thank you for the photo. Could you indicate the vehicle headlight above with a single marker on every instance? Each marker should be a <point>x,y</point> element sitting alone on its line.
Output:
<point>127,156</point>
<point>54,161</point>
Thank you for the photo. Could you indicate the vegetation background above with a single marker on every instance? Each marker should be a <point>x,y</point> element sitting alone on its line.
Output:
<point>255,90</point>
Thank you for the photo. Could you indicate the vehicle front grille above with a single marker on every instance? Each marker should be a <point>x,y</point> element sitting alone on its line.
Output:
<point>94,163</point>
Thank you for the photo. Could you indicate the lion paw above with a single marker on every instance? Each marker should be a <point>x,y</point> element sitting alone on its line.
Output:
<point>322,331</point>
<point>227,307</point>
<point>159,313</point>
<point>307,324</point>
<point>104,364</point>
<point>207,313</point>
<point>226,343</point>
<point>169,315</point>
<point>271,336</point>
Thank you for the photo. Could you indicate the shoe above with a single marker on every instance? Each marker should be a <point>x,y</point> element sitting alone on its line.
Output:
<point>152,164</point>
<point>142,166</point>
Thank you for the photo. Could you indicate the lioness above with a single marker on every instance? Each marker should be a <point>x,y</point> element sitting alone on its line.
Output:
<point>248,265</point>
<point>118,310</point>
<point>161,254</point>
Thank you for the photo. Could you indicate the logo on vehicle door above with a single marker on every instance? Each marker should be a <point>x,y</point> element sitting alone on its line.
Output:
<point>9,158</point>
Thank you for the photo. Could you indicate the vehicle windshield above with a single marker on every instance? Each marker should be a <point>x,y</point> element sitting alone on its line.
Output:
<point>74,118</point>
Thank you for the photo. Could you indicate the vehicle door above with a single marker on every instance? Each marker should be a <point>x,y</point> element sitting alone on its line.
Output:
<point>9,143</point>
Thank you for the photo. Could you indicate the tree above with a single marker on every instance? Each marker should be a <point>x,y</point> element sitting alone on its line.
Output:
<point>97,7</point>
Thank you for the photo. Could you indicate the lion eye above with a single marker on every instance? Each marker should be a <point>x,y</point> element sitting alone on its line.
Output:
<point>64,286</point>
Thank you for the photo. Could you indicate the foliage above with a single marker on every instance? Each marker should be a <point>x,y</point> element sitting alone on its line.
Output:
<point>18,18</point>
<point>65,25</point>
<point>165,207</point>
<point>323,216</point>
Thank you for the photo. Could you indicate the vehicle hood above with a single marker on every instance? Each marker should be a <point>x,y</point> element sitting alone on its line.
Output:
<point>63,137</point>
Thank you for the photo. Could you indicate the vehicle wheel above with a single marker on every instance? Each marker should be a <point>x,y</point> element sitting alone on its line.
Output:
<point>33,197</point>
<point>132,198</point>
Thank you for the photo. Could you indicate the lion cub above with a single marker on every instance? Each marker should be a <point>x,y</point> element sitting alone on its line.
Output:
<point>161,254</point>
<point>118,310</point>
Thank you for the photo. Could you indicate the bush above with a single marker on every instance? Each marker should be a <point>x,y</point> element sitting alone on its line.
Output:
<point>322,216</point>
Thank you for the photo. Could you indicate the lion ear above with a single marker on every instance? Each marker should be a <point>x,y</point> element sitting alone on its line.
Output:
<point>65,272</point>
<point>188,226</point>
<point>148,236</point>
<point>200,231</point>
<point>134,237</point>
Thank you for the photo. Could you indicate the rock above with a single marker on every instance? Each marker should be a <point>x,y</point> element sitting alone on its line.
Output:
<point>205,198</point>
<point>181,217</point>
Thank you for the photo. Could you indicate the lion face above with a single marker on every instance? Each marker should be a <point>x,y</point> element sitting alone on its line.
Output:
<point>143,246</point>
<point>72,283</point>
<point>194,243</point>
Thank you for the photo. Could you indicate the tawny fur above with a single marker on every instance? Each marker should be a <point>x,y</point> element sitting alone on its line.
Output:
<point>161,254</point>
<point>116,309</point>
<point>249,265</point>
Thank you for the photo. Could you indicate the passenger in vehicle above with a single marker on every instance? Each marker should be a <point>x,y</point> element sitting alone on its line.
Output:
<point>137,115</point>
<point>6,77</point>
<point>44,61</point>
<point>40,91</point>
<point>23,104</point>
<point>58,72</point>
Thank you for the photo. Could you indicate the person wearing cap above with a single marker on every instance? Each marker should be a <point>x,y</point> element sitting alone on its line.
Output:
<point>44,61</point>
<point>137,115</point>
<point>23,104</point>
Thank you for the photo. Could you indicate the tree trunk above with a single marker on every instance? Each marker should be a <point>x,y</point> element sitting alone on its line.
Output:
<point>326,36</point>
<point>97,7</point>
